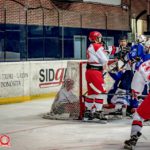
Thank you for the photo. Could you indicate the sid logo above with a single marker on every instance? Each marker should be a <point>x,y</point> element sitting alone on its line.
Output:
<point>4,141</point>
<point>51,77</point>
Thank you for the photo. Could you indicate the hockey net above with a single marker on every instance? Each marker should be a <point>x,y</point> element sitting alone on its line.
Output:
<point>69,103</point>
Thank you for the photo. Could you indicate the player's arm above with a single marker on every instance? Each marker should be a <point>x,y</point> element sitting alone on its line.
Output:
<point>102,56</point>
<point>137,84</point>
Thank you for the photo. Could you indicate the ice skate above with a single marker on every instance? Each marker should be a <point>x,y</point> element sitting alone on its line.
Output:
<point>131,143</point>
<point>87,115</point>
<point>99,115</point>
<point>119,111</point>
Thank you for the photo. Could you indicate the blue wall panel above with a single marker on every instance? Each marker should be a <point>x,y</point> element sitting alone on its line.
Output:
<point>35,41</point>
<point>52,48</point>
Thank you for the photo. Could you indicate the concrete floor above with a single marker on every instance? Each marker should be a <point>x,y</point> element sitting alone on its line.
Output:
<point>27,130</point>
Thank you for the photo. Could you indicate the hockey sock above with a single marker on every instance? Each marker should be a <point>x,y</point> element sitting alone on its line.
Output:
<point>136,127</point>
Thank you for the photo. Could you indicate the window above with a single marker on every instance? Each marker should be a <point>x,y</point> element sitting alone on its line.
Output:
<point>80,46</point>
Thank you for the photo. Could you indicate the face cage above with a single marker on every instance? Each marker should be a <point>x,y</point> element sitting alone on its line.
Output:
<point>99,39</point>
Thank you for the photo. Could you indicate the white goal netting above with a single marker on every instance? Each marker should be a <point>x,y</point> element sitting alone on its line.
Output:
<point>69,103</point>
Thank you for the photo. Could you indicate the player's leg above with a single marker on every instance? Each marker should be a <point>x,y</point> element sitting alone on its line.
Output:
<point>95,84</point>
<point>137,125</point>
<point>144,109</point>
<point>88,101</point>
<point>143,113</point>
<point>120,100</point>
<point>98,88</point>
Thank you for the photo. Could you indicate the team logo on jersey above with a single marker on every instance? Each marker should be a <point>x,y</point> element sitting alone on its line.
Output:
<point>133,53</point>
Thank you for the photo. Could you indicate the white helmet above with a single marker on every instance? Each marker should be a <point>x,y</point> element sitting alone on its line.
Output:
<point>147,44</point>
<point>141,38</point>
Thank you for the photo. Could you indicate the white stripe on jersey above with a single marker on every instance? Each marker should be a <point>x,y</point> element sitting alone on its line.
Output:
<point>97,57</point>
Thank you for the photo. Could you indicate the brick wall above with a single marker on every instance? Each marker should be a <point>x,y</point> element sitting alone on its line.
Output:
<point>95,15</point>
<point>138,6</point>
<point>16,12</point>
<point>86,15</point>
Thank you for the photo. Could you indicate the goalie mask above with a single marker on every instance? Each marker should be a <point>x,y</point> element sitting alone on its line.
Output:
<point>95,36</point>
<point>68,84</point>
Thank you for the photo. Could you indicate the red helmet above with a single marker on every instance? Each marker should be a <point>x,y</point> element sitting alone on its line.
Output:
<point>93,35</point>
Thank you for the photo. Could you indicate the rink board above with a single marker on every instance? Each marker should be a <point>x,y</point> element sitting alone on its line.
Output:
<point>23,81</point>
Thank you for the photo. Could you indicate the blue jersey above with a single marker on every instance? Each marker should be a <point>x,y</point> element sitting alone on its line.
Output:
<point>126,79</point>
<point>116,77</point>
<point>138,64</point>
<point>137,50</point>
<point>146,57</point>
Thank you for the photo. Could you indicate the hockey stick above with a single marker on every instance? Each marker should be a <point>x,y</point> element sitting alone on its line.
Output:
<point>130,94</point>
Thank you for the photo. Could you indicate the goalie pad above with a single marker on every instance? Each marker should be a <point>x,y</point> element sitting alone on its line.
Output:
<point>120,97</point>
<point>66,101</point>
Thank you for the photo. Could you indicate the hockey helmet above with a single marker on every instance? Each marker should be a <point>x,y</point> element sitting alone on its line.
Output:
<point>141,38</point>
<point>147,44</point>
<point>68,84</point>
<point>94,35</point>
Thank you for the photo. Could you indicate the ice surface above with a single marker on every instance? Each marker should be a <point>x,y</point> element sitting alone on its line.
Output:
<point>27,129</point>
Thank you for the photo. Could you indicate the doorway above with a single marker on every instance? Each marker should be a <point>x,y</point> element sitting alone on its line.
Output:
<point>80,45</point>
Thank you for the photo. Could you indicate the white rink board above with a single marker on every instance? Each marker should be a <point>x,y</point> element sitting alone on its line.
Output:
<point>47,76</point>
<point>31,78</point>
<point>14,79</point>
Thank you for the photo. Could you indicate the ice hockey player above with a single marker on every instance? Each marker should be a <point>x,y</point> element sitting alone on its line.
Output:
<point>137,52</point>
<point>97,62</point>
<point>132,59</point>
<point>65,102</point>
<point>117,72</point>
<point>142,113</point>
<point>122,75</point>
<point>123,48</point>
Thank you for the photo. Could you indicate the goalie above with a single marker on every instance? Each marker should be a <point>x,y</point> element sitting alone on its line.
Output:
<point>66,104</point>
<point>97,61</point>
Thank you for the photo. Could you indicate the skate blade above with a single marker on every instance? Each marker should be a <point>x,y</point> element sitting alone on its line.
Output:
<point>129,148</point>
<point>85,119</point>
<point>95,121</point>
